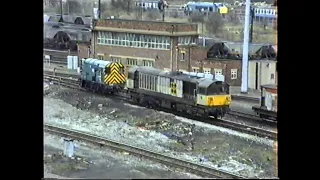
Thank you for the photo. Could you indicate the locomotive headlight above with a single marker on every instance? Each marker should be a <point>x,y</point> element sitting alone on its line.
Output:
<point>228,99</point>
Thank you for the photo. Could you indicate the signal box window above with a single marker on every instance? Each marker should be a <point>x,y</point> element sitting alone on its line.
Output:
<point>217,72</point>
<point>100,56</point>
<point>234,73</point>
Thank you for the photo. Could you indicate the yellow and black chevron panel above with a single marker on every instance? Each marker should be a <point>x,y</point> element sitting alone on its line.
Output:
<point>116,74</point>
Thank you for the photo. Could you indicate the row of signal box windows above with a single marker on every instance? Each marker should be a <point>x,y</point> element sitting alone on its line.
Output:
<point>140,40</point>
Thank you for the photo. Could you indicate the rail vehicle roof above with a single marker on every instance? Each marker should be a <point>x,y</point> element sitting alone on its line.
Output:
<point>72,18</point>
<point>270,86</point>
<point>205,4</point>
<point>96,62</point>
<point>203,82</point>
<point>254,48</point>
<point>73,34</point>
<point>63,25</point>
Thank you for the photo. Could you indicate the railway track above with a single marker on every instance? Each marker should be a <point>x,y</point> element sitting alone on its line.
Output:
<point>245,98</point>
<point>58,57</point>
<point>253,118</point>
<point>164,159</point>
<point>73,83</point>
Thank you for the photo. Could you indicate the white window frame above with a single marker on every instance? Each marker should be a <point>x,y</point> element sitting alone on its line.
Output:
<point>148,63</point>
<point>133,40</point>
<point>207,70</point>
<point>196,69</point>
<point>217,72</point>
<point>100,55</point>
<point>115,59</point>
<point>132,62</point>
<point>234,73</point>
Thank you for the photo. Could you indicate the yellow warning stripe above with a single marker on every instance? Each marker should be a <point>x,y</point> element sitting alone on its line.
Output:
<point>114,77</point>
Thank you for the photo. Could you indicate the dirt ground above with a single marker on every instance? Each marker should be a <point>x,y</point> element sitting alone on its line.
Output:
<point>213,146</point>
<point>91,161</point>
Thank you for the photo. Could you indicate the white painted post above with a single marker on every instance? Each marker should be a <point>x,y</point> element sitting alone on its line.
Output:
<point>245,57</point>
<point>68,148</point>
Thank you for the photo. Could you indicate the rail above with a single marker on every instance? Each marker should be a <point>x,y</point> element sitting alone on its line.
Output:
<point>164,159</point>
<point>245,98</point>
<point>219,122</point>
<point>252,117</point>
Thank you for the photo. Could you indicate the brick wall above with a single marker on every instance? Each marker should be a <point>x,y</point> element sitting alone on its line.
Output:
<point>196,53</point>
<point>82,51</point>
<point>225,65</point>
<point>162,57</point>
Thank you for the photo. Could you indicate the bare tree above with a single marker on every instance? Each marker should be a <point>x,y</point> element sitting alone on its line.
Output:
<point>125,5</point>
<point>53,3</point>
<point>152,15</point>
<point>265,23</point>
<point>196,17</point>
<point>233,18</point>
<point>214,23</point>
<point>74,7</point>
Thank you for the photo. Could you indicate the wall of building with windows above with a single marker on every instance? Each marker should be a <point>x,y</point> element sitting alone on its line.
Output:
<point>231,69</point>
<point>133,61</point>
<point>141,48</point>
<point>141,40</point>
<point>261,72</point>
<point>133,40</point>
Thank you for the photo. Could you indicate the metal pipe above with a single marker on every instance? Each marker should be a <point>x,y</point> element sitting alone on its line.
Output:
<point>171,54</point>
<point>251,27</point>
<point>177,52</point>
<point>244,78</point>
<point>189,59</point>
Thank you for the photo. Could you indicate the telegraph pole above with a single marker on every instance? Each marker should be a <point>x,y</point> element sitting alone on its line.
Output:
<point>99,9</point>
<point>245,55</point>
<point>61,13</point>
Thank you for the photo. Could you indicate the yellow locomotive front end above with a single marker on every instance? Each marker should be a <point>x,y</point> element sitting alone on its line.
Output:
<point>214,96</point>
<point>114,74</point>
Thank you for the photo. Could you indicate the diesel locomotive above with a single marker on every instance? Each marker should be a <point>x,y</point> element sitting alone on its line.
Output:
<point>102,76</point>
<point>177,91</point>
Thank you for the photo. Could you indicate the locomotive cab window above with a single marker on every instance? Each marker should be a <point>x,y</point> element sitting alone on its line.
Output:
<point>107,70</point>
<point>202,91</point>
<point>218,88</point>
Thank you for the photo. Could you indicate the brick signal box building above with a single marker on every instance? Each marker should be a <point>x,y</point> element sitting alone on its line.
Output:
<point>145,43</point>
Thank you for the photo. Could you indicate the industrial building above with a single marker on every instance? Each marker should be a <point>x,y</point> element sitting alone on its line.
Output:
<point>175,46</point>
<point>145,43</point>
